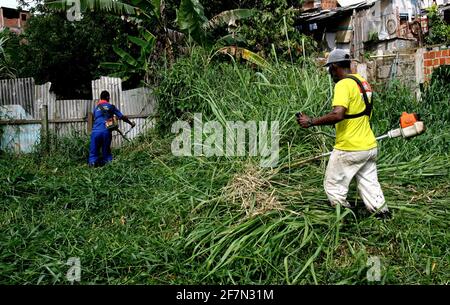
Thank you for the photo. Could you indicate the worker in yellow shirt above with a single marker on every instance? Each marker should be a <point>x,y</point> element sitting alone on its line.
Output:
<point>355,151</point>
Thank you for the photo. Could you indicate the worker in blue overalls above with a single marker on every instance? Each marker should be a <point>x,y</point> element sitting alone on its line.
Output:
<point>105,121</point>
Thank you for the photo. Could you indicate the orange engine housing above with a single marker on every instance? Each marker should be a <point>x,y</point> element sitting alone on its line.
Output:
<point>408,119</point>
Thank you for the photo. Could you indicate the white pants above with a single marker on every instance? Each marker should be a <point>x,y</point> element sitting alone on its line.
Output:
<point>342,167</point>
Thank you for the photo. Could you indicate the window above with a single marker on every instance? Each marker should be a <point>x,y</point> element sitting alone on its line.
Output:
<point>404,16</point>
<point>10,13</point>
<point>23,17</point>
<point>447,16</point>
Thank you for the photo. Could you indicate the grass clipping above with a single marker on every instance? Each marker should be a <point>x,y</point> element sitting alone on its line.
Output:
<point>252,192</point>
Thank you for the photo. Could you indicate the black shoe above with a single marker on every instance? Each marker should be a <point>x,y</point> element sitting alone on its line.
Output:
<point>384,215</point>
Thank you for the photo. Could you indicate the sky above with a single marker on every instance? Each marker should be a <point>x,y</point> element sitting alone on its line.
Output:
<point>15,3</point>
<point>8,3</point>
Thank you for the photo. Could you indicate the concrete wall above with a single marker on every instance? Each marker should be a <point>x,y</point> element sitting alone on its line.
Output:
<point>384,67</point>
<point>414,66</point>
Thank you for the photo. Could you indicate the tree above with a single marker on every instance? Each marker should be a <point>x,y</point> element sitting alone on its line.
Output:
<point>192,20</point>
<point>439,32</point>
<point>148,16</point>
<point>270,26</point>
<point>128,64</point>
<point>274,25</point>
<point>68,54</point>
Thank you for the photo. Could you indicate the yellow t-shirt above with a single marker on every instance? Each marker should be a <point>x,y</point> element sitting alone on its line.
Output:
<point>353,134</point>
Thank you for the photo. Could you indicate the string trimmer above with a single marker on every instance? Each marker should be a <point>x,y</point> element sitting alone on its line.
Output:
<point>124,134</point>
<point>410,126</point>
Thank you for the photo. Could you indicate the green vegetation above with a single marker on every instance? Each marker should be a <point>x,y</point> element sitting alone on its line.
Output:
<point>439,32</point>
<point>6,70</point>
<point>68,54</point>
<point>153,218</point>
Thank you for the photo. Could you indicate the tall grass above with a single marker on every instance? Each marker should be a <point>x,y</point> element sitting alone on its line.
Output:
<point>150,217</point>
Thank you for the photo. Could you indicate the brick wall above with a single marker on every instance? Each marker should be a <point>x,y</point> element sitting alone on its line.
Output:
<point>11,23</point>
<point>329,4</point>
<point>308,4</point>
<point>322,4</point>
<point>433,59</point>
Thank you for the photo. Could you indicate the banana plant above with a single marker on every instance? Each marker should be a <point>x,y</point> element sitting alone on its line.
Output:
<point>127,64</point>
<point>5,70</point>
<point>228,18</point>
<point>192,21</point>
<point>112,6</point>
<point>248,55</point>
<point>143,13</point>
<point>137,10</point>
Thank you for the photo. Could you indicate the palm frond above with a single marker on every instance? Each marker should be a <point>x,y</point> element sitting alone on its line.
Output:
<point>190,19</point>
<point>113,6</point>
<point>228,18</point>
<point>247,55</point>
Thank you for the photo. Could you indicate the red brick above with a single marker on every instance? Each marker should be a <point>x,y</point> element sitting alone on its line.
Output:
<point>431,54</point>
<point>428,62</point>
<point>11,22</point>
<point>328,4</point>
<point>445,53</point>
<point>436,62</point>
<point>441,61</point>
<point>447,61</point>
<point>308,5</point>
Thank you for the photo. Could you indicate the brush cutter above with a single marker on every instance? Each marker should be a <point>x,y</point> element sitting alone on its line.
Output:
<point>124,135</point>
<point>410,126</point>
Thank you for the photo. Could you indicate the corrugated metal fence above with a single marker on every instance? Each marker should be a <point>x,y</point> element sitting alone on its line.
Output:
<point>69,116</point>
<point>66,116</point>
<point>18,91</point>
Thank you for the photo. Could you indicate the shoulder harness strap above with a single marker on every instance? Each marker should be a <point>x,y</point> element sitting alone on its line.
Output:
<point>105,111</point>
<point>368,110</point>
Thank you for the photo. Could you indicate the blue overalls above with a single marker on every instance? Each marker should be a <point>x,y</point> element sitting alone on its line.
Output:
<point>101,137</point>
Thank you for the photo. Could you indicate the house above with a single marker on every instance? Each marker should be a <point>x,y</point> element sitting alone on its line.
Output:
<point>331,22</point>
<point>363,26</point>
<point>386,37</point>
<point>14,19</point>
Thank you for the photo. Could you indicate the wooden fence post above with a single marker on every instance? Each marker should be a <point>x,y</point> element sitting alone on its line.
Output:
<point>90,122</point>
<point>44,128</point>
